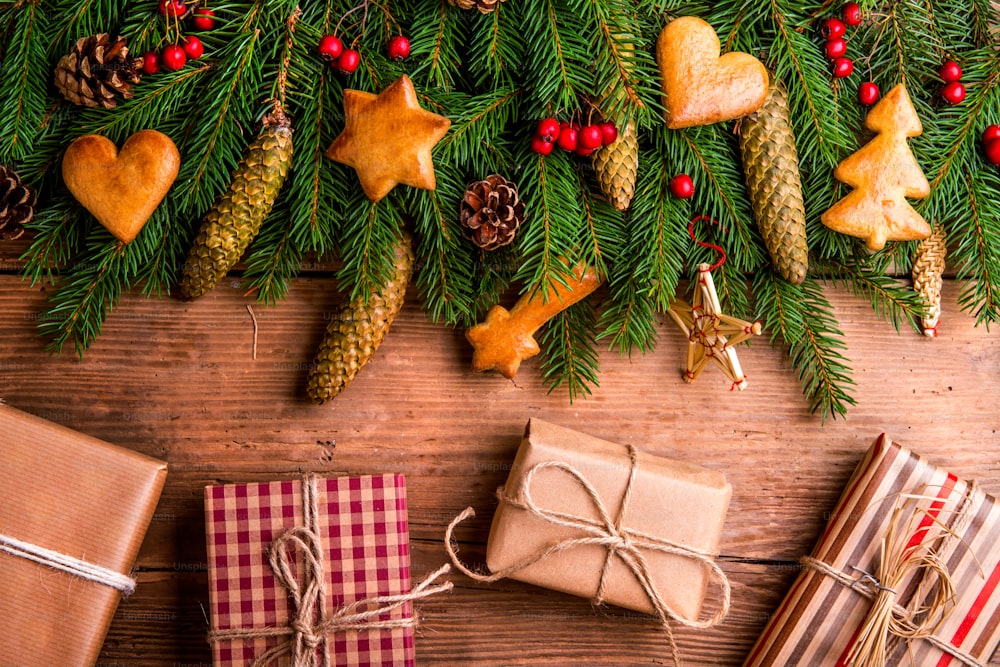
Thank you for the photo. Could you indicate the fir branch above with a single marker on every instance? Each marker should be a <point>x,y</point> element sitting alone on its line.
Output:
<point>23,70</point>
<point>894,302</point>
<point>436,36</point>
<point>55,237</point>
<point>473,140</point>
<point>559,55</point>
<point>568,355</point>
<point>495,49</point>
<point>370,229</point>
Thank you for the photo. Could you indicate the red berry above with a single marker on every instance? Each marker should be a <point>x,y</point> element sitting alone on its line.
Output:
<point>842,67</point>
<point>609,133</point>
<point>953,93</point>
<point>173,57</point>
<point>590,137</point>
<point>681,186</point>
<point>399,47</point>
<point>548,129</point>
<point>193,47</point>
<point>992,150</point>
<point>150,62</point>
<point>851,12</point>
<point>541,146</point>
<point>990,133</point>
<point>868,93</point>
<point>171,7</point>
<point>950,71</point>
<point>348,61</point>
<point>330,47</point>
<point>834,48</point>
<point>832,29</point>
<point>204,19</point>
<point>568,138</point>
<point>585,152</point>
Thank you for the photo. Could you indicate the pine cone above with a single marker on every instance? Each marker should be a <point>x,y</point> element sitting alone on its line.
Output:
<point>96,70</point>
<point>491,212</point>
<point>616,166</point>
<point>358,328</point>
<point>771,167</point>
<point>236,218</point>
<point>928,272</point>
<point>17,204</point>
<point>484,6</point>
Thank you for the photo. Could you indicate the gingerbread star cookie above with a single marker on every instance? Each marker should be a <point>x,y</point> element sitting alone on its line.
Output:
<point>701,87</point>
<point>388,139</point>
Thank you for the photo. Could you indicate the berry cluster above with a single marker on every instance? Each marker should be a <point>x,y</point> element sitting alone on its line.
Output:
<point>833,31</point>
<point>953,92</point>
<point>331,49</point>
<point>174,56</point>
<point>571,137</point>
<point>991,145</point>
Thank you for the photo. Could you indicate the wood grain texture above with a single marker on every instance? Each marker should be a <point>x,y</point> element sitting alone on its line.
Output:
<point>178,381</point>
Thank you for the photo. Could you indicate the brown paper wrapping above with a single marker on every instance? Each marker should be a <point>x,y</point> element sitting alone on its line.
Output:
<point>77,495</point>
<point>819,617</point>
<point>675,501</point>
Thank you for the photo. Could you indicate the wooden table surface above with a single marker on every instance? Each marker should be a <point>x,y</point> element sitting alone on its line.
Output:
<point>179,382</point>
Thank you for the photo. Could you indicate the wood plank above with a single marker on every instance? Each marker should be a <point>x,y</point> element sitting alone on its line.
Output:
<point>178,381</point>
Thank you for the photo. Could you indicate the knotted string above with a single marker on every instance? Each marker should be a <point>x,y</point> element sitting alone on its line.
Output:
<point>68,564</point>
<point>309,625</point>
<point>711,246</point>
<point>625,544</point>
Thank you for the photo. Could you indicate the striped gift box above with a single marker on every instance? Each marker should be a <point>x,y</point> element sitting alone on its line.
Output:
<point>821,616</point>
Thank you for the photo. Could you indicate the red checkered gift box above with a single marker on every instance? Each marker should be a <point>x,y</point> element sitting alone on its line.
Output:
<point>345,542</point>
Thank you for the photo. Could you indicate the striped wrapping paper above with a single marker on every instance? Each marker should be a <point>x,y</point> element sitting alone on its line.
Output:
<point>820,617</point>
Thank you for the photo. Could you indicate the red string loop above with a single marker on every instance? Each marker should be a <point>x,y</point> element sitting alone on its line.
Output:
<point>703,244</point>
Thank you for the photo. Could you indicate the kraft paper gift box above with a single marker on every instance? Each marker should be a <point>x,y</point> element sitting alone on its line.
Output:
<point>73,513</point>
<point>673,501</point>
<point>363,550</point>
<point>895,497</point>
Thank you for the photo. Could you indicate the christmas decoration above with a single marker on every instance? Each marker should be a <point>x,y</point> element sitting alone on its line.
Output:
<point>905,572</point>
<point>834,48</point>
<point>398,48</point>
<point>928,274</point>
<point>681,186</point>
<point>771,168</point>
<point>868,93</point>
<point>150,62</point>
<point>17,204</point>
<point>711,335</point>
<point>173,8</point>
<point>330,47</point>
<point>97,72</point>
<point>357,330</point>
<point>992,150</point>
<point>506,338</point>
<point>616,164</point>
<point>388,139</point>
<point>484,6</point>
<point>72,517</point>
<point>699,85</point>
<point>193,47</point>
<point>174,57</point>
<point>832,29</point>
<point>851,11</point>
<point>238,213</point>
<point>950,71</point>
<point>347,62</point>
<point>121,188</point>
<point>882,173</point>
<point>204,19</point>
<point>491,212</point>
<point>568,138</point>
<point>842,67</point>
<point>953,92</point>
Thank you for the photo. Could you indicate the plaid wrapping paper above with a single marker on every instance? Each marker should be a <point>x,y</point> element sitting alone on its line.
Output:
<point>820,617</point>
<point>365,536</point>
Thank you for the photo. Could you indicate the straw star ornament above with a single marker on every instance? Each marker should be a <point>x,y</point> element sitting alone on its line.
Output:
<point>711,334</point>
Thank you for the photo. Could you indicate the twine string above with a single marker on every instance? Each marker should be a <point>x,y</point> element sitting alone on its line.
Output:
<point>68,564</point>
<point>711,246</point>
<point>625,544</point>
<point>310,626</point>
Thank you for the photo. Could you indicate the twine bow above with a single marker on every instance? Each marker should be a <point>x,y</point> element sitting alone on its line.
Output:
<point>622,543</point>
<point>309,626</point>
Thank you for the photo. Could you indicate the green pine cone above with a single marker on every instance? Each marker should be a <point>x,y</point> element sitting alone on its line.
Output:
<point>236,218</point>
<point>357,330</point>
<point>771,167</point>
<point>616,166</point>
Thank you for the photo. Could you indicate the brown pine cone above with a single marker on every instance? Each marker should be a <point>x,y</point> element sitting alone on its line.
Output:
<point>96,70</point>
<point>484,6</point>
<point>17,204</point>
<point>491,212</point>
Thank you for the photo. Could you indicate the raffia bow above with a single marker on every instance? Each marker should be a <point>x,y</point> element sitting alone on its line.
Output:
<point>310,625</point>
<point>625,544</point>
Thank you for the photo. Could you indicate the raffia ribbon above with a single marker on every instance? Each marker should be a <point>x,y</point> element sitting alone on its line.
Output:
<point>310,625</point>
<point>898,562</point>
<point>622,543</point>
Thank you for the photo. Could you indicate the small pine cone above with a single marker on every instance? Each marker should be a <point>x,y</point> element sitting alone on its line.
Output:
<point>96,70</point>
<point>358,328</point>
<point>771,167</point>
<point>17,204</point>
<point>928,272</point>
<point>236,218</point>
<point>484,6</point>
<point>491,212</point>
<point>616,166</point>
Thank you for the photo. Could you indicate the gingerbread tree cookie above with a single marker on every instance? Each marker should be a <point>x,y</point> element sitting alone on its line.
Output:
<point>883,173</point>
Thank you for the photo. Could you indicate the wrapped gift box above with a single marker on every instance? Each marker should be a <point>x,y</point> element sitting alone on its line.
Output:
<point>822,615</point>
<point>673,501</point>
<point>80,498</point>
<point>364,537</point>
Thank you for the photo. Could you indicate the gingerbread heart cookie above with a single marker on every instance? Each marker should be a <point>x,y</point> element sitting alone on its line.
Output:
<point>700,86</point>
<point>121,188</point>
